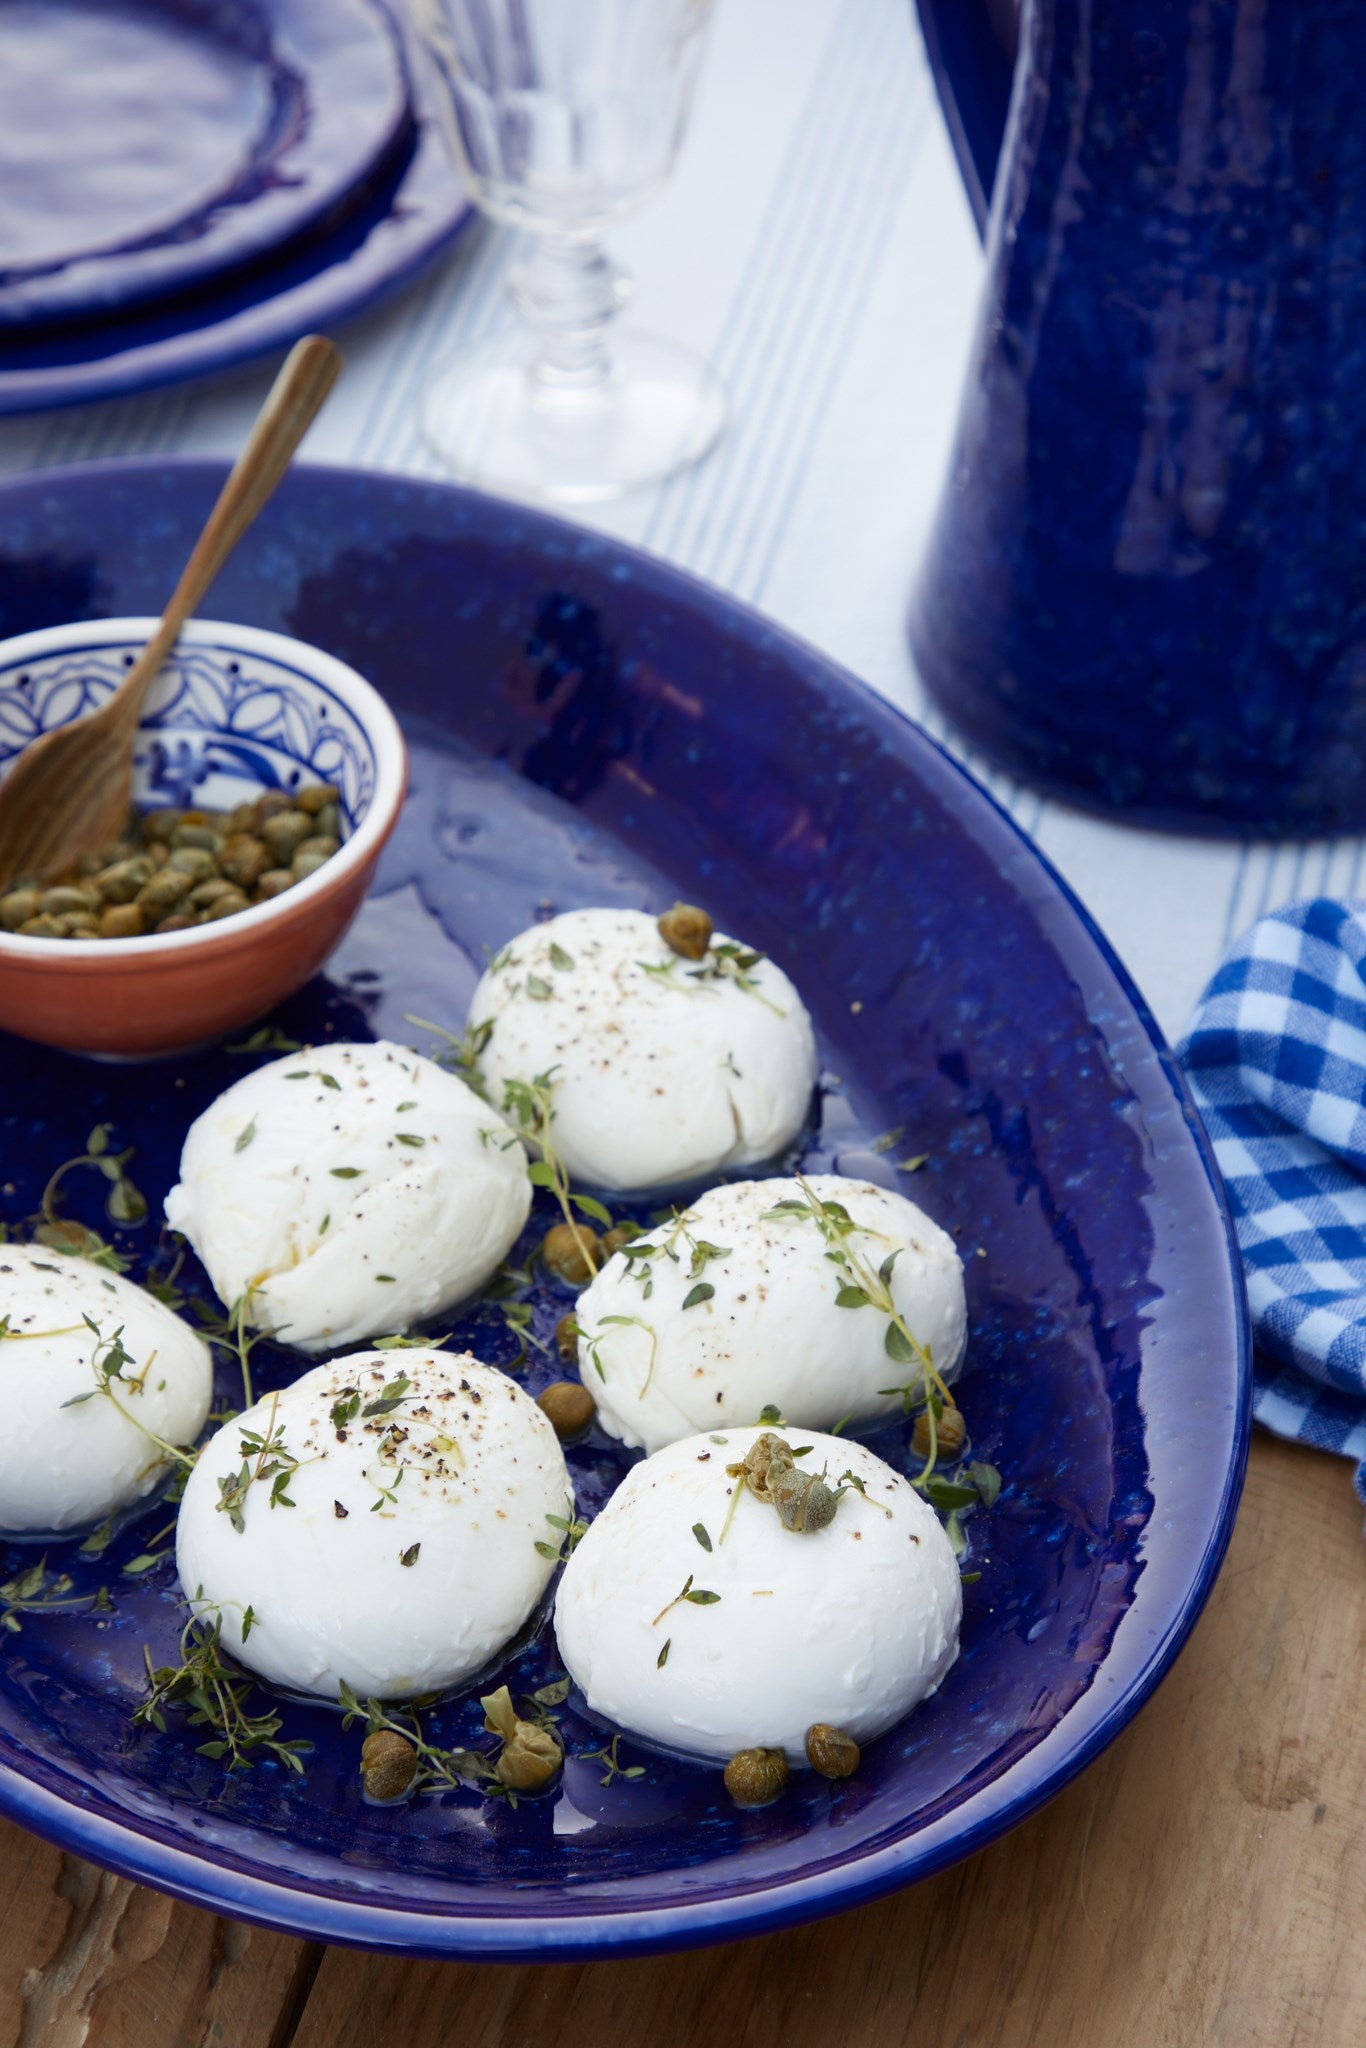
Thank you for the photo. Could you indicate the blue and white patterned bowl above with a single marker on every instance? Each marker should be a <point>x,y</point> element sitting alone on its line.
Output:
<point>234,711</point>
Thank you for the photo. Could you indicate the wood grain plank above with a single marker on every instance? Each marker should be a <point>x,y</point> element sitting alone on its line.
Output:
<point>89,1960</point>
<point>1203,1886</point>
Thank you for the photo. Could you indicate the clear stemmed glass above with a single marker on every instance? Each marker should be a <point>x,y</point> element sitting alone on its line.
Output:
<point>567,114</point>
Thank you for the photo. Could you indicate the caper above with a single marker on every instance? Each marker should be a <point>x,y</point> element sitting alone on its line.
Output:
<point>830,1751</point>
<point>273,882</point>
<point>269,805</point>
<point>66,902</point>
<point>165,889</point>
<point>530,1755</point>
<point>160,824</point>
<point>80,925</point>
<point>205,893</point>
<point>317,842</point>
<point>950,1433</point>
<point>570,1249</point>
<point>122,921</point>
<point>196,833</point>
<point>755,1777</point>
<point>804,1502</point>
<point>568,1407</point>
<point>315,796</point>
<point>122,879</point>
<point>226,906</point>
<point>567,1338</point>
<point>43,926</point>
<point>178,921</point>
<point>686,930</point>
<point>245,859</point>
<point>18,907</point>
<point>388,1764</point>
<point>284,833</point>
<point>195,861</point>
<point>329,821</point>
<point>241,818</point>
<point>305,864</point>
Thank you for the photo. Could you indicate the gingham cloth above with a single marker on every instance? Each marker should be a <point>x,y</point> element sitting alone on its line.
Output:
<point>1276,1059</point>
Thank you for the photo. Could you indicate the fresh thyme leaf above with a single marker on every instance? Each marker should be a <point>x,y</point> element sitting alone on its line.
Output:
<point>591,1207</point>
<point>559,958</point>
<point>852,1296</point>
<point>409,1138</point>
<point>969,1578</point>
<point>766,1414</point>
<point>269,1038</point>
<point>554,1694</point>
<point>248,1622</point>
<point>896,1345</point>
<point>405,1105</point>
<point>662,1659</point>
<point>388,1398</point>
<point>36,1591</point>
<point>540,1175</point>
<point>608,1755</point>
<point>410,1555</point>
<point>701,1598</point>
<point>538,989</point>
<point>889,1140</point>
<point>702,1292</point>
<point>345,1408</point>
<point>949,1495</point>
<point>700,1533</point>
<point>345,1172</point>
<point>987,1480</point>
<point>912,1165</point>
<point>213,1695</point>
<point>245,1136</point>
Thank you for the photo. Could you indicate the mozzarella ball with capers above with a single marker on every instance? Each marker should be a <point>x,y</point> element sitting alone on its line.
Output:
<point>388,1522</point>
<point>89,1409</point>
<point>665,1066</point>
<point>713,1632</point>
<point>349,1190</point>
<point>738,1306</point>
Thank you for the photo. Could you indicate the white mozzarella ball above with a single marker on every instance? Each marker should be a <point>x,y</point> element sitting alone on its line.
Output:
<point>74,1454</point>
<point>662,1362</point>
<point>404,1558</point>
<point>352,1189</point>
<point>852,1625</point>
<point>664,1069</point>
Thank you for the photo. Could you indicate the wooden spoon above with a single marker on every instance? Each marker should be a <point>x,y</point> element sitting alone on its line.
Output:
<point>67,794</point>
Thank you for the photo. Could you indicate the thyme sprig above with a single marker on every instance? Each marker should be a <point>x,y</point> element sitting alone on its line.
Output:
<point>626,1322</point>
<point>213,1695</point>
<point>530,1107</point>
<point>38,1591</point>
<point>231,1333</point>
<point>108,1361</point>
<point>124,1202</point>
<point>862,1286</point>
<point>464,1049</point>
<point>572,1534</point>
<point>696,1596</point>
<point>265,1457</point>
<point>641,1254</point>
<point>723,960</point>
<point>608,1755</point>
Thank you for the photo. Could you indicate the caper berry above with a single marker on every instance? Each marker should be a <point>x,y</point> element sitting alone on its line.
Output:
<point>196,834</point>
<point>686,930</point>
<point>195,861</point>
<point>950,1431</point>
<point>388,1764</point>
<point>121,880</point>
<point>830,1751</point>
<point>804,1502</point>
<point>227,906</point>
<point>122,921</point>
<point>755,1777</point>
<point>273,882</point>
<point>43,926</point>
<point>567,1338</point>
<point>571,1249</point>
<point>305,864</point>
<point>313,797</point>
<point>205,893</point>
<point>159,825</point>
<point>66,902</point>
<point>568,1407</point>
<point>244,859</point>
<point>285,832</point>
<point>530,1755</point>
<point>165,889</point>
<point>18,907</point>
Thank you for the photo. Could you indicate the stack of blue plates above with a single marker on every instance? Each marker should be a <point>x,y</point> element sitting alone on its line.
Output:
<point>188,183</point>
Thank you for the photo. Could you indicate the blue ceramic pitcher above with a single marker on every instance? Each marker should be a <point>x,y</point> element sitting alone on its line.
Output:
<point>1146,590</point>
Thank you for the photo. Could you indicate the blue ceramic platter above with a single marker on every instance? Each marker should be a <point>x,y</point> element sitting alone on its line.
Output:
<point>411,210</point>
<point>154,144</point>
<point>588,726</point>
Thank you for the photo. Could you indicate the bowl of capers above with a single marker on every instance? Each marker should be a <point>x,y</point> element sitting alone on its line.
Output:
<point>267,776</point>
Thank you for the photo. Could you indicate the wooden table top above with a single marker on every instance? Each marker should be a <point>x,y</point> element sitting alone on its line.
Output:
<point>1203,1884</point>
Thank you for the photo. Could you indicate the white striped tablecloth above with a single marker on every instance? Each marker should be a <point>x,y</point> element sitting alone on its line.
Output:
<point>815,242</point>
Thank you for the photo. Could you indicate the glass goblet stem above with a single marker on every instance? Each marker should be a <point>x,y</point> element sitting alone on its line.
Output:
<point>568,290</point>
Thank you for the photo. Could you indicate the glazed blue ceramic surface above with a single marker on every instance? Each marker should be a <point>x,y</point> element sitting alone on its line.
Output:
<point>412,210</point>
<point>1145,588</point>
<point>151,145</point>
<point>588,726</point>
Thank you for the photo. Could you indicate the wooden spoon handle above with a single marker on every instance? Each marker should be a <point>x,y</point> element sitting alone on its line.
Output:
<point>306,376</point>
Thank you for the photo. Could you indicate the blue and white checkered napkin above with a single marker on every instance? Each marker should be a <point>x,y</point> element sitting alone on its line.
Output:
<point>1276,1059</point>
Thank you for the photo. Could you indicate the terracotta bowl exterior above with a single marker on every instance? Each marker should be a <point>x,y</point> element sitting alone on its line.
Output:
<point>235,710</point>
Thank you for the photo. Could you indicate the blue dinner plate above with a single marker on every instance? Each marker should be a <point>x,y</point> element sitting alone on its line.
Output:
<point>413,209</point>
<point>590,726</point>
<point>148,146</point>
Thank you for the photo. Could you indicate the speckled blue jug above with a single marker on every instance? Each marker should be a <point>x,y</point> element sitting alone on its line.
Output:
<point>1146,590</point>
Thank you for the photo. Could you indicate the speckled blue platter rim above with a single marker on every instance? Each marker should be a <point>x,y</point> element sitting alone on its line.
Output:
<point>1172,1593</point>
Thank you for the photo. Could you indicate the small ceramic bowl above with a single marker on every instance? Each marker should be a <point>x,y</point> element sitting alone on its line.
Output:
<point>234,711</point>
